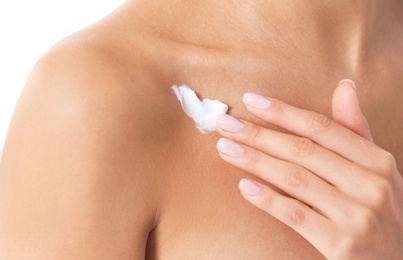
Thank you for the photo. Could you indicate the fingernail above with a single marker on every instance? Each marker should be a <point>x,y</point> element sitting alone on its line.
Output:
<point>348,81</point>
<point>229,123</point>
<point>256,101</point>
<point>230,148</point>
<point>249,187</point>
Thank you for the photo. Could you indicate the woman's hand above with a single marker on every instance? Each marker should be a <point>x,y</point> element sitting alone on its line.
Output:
<point>344,193</point>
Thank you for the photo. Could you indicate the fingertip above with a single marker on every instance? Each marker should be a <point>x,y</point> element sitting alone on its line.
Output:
<point>346,109</point>
<point>348,82</point>
<point>249,188</point>
<point>256,101</point>
<point>345,106</point>
<point>345,94</point>
<point>229,123</point>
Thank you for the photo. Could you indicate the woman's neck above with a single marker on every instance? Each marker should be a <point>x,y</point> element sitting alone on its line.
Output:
<point>347,28</point>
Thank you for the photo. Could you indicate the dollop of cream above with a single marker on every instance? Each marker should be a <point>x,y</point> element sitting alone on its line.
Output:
<point>204,113</point>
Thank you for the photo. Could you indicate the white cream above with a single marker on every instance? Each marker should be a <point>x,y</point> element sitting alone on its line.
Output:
<point>204,113</point>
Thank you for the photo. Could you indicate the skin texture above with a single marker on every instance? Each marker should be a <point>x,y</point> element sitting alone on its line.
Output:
<point>101,163</point>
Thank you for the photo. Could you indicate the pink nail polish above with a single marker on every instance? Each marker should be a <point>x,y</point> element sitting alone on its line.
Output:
<point>230,148</point>
<point>256,101</point>
<point>229,123</point>
<point>348,81</point>
<point>249,187</point>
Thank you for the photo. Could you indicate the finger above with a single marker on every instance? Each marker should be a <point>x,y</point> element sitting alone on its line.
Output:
<point>290,178</point>
<point>346,109</point>
<point>315,228</point>
<point>316,127</point>
<point>297,150</point>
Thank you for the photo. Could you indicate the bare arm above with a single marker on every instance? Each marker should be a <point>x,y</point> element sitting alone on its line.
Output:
<point>74,180</point>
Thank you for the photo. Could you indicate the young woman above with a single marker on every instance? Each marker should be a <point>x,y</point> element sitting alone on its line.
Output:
<point>101,163</point>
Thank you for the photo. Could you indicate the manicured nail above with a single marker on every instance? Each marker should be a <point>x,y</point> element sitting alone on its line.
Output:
<point>256,101</point>
<point>229,123</point>
<point>249,187</point>
<point>348,81</point>
<point>230,148</point>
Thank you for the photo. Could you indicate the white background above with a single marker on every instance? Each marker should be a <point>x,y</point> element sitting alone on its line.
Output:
<point>30,27</point>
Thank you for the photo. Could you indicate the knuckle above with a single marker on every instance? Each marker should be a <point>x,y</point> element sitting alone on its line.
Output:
<point>255,134</point>
<point>368,148</point>
<point>365,223</point>
<point>251,161</point>
<point>295,214</point>
<point>319,123</point>
<point>296,177</point>
<point>279,108</point>
<point>387,163</point>
<point>379,160</point>
<point>301,146</point>
<point>254,162</point>
<point>344,248</point>
<point>369,223</point>
<point>266,203</point>
<point>380,193</point>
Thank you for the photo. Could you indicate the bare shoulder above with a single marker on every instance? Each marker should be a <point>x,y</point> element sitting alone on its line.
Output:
<point>77,177</point>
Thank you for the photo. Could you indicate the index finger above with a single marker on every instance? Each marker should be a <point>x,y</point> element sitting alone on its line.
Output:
<point>314,126</point>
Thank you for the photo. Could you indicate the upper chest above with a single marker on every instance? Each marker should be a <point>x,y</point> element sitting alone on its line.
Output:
<point>307,84</point>
<point>205,217</point>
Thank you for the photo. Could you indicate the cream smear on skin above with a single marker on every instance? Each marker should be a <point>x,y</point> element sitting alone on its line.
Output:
<point>204,113</point>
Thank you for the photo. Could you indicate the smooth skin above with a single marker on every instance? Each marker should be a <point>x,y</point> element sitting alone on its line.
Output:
<point>100,161</point>
<point>337,188</point>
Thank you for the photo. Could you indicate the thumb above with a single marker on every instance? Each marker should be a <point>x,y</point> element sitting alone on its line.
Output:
<point>346,109</point>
